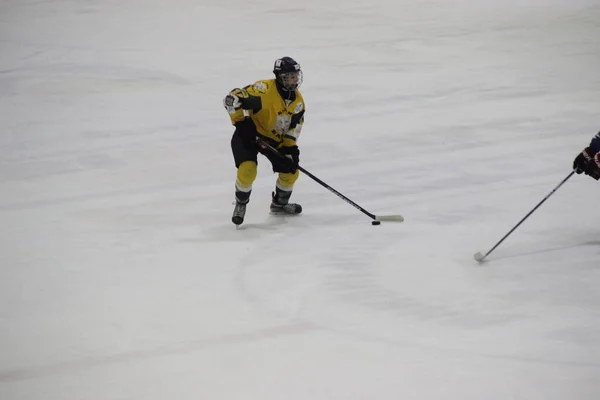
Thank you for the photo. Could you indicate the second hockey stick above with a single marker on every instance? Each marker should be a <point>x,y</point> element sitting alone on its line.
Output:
<point>481,257</point>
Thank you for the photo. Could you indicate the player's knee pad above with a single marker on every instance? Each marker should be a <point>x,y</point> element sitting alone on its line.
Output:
<point>286,181</point>
<point>246,174</point>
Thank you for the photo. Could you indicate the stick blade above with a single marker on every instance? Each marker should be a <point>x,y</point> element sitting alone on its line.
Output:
<point>391,218</point>
<point>479,257</point>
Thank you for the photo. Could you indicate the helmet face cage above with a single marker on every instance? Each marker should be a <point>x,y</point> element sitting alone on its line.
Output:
<point>290,80</point>
<point>288,73</point>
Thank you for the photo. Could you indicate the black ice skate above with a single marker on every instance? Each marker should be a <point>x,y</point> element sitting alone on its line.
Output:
<point>280,204</point>
<point>238,213</point>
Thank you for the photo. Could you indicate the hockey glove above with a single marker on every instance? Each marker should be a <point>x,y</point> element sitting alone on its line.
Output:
<point>587,163</point>
<point>233,101</point>
<point>292,154</point>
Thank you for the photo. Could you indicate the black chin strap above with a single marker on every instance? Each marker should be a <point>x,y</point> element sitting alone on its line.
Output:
<point>285,94</point>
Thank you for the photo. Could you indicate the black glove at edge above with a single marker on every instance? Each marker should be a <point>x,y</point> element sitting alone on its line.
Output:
<point>585,162</point>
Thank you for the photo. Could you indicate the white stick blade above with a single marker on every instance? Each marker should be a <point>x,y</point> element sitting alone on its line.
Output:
<point>478,257</point>
<point>394,218</point>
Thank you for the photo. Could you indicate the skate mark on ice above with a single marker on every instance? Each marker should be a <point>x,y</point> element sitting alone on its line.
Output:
<point>457,351</point>
<point>512,255</point>
<point>23,374</point>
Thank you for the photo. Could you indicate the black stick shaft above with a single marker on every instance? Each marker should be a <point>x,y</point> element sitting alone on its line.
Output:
<point>530,212</point>
<point>267,146</point>
<point>341,196</point>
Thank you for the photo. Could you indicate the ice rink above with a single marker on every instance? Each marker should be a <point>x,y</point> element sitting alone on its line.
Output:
<point>122,276</point>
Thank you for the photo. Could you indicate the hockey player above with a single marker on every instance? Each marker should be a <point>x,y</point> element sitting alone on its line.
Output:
<point>588,161</point>
<point>271,110</point>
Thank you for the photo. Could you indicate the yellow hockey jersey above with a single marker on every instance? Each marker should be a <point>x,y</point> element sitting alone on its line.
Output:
<point>277,118</point>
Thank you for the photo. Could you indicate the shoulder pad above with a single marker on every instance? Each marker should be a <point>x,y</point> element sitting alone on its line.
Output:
<point>261,87</point>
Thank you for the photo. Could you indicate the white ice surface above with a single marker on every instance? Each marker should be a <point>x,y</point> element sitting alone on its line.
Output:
<point>122,277</point>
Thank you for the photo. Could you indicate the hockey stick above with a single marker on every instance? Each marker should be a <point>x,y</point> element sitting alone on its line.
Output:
<point>480,257</point>
<point>396,218</point>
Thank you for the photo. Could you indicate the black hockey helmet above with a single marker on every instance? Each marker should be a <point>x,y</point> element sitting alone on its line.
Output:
<point>288,73</point>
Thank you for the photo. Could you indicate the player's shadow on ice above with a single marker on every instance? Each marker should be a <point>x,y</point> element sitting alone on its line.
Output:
<point>249,230</point>
<point>261,226</point>
<point>302,224</point>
